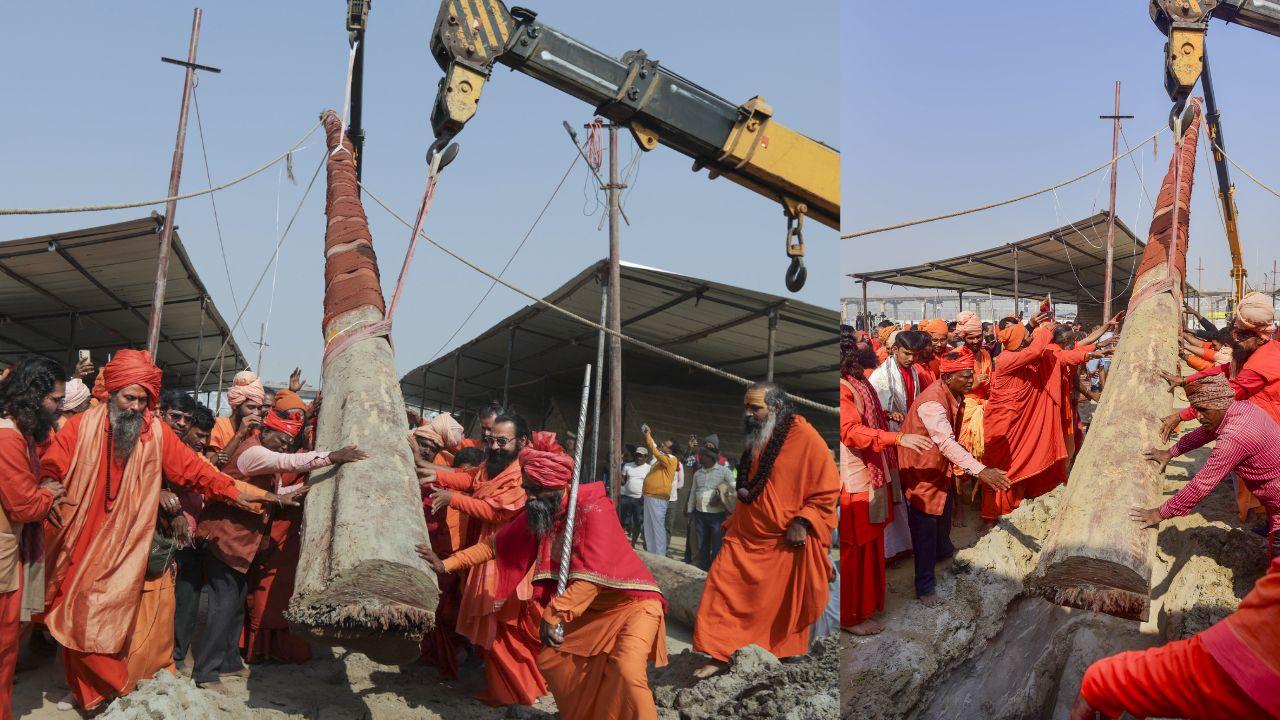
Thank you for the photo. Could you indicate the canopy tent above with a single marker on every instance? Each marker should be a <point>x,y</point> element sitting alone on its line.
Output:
<point>533,359</point>
<point>92,289</point>
<point>1068,262</point>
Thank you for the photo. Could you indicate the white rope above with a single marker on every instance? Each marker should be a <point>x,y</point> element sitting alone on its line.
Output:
<point>160,201</point>
<point>1009,201</point>
<point>346,98</point>
<point>591,323</point>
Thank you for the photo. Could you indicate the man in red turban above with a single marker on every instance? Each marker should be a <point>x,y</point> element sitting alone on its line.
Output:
<point>600,635</point>
<point>926,475</point>
<point>236,547</point>
<point>104,608</point>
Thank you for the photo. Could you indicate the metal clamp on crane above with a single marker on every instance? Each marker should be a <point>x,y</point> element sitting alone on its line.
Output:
<point>1185,23</point>
<point>658,106</point>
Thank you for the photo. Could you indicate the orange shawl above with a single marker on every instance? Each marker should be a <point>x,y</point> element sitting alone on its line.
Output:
<point>100,600</point>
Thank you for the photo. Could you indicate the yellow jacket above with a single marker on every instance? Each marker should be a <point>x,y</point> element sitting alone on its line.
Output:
<point>663,473</point>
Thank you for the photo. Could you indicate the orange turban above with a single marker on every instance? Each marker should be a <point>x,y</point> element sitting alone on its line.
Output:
<point>885,332</point>
<point>1012,336</point>
<point>246,386</point>
<point>545,463</point>
<point>288,426</point>
<point>957,361</point>
<point>968,322</point>
<point>287,400</point>
<point>132,367</point>
<point>442,430</point>
<point>936,325</point>
<point>99,387</point>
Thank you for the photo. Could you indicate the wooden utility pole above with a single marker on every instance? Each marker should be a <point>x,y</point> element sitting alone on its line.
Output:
<point>175,176</point>
<point>615,321</point>
<point>1115,119</point>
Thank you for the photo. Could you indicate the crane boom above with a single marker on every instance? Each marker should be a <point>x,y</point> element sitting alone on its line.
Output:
<point>741,142</point>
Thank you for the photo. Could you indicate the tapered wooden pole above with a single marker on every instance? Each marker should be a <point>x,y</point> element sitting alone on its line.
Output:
<point>1096,557</point>
<point>360,582</point>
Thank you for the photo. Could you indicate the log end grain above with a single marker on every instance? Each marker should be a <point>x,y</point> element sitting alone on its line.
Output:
<point>1093,584</point>
<point>379,608</point>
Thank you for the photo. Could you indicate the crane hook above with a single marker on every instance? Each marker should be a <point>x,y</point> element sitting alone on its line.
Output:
<point>796,272</point>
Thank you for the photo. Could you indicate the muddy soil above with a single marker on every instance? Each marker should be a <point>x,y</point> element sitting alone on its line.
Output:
<point>990,651</point>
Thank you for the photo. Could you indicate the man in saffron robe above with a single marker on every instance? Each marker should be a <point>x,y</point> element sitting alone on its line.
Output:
<point>599,635</point>
<point>246,398</point>
<point>927,475</point>
<point>770,582</point>
<point>896,382</point>
<point>1231,670</point>
<point>29,397</point>
<point>1023,421</point>
<point>102,609</point>
<point>939,344</point>
<point>969,330</point>
<point>868,471</point>
<point>488,498</point>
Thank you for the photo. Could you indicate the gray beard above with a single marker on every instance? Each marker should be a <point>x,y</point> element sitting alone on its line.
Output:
<point>758,433</point>
<point>540,514</point>
<point>126,426</point>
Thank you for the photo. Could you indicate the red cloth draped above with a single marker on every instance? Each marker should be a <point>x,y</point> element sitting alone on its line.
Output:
<point>862,572</point>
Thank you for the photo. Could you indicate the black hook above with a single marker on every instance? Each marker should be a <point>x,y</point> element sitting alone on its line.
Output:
<point>796,274</point>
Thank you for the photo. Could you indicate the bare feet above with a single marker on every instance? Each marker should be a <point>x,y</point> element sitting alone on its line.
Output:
<point>930,600</point>
<point>216,686</point>
<point>242,672</point>
<point>864,628</point>
<point>708,670</point>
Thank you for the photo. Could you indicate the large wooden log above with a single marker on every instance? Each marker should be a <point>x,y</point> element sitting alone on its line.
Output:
<point>360,583</point>
<point>1096,557</point>
<point>681,584</point>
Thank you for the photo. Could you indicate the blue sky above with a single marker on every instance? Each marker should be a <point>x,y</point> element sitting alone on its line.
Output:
<point>92,112</point>
<point>952,110</point>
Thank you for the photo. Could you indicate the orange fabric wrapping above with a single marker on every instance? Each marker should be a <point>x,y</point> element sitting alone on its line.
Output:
<point>759,590</point>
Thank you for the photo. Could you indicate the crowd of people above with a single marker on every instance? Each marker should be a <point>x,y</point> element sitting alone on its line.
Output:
<point>934,416</point>
<point>122,503</point>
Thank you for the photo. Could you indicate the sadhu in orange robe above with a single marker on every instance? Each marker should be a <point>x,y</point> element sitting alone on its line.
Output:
<point>1231,670</point>
<point>444,530</point>
<point>114,624</point>
<point>760,590</point>
<point>487,504</point>
<point>21,501</point>
<point>1023,421</point>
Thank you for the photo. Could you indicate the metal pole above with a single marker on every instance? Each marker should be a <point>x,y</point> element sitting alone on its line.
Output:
<point>773,340</point>
<point>1111,216</point>
<point>1199,282</point>
<point>453,393</point>
<point>171,206</point>
<point>221,356</point>
<point>355,129</point>
<point>599,379</point>
<point>422,403</point>
<point>1017,292</point>
<point>506,370</point>
<point>73,356</point>
<point>200,339</point>
<point>615,322</point>
<point>866,315</point>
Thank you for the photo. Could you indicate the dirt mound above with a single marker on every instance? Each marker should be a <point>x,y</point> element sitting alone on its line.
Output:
<point>169,696</point>
<point>988,650</point>
<point>757,685</point>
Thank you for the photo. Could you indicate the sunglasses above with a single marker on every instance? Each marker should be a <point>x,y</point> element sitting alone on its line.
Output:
<point>499,441</point>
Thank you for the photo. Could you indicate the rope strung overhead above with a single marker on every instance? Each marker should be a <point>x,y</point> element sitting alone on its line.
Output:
<point>1010,201</point>
<point>160,201</point>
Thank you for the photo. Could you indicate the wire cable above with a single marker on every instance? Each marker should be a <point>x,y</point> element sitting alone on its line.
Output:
<point>1009,201</point>
<point>204,152</point>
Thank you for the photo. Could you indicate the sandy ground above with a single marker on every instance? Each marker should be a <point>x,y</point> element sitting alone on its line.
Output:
<point>342,685</point>
<point>990,651</point>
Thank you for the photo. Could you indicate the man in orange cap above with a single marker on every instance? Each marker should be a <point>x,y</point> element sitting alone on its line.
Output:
<point>926,476</point>
<point>939,344</point>
<point>103,609</point>
<point>770,582</point>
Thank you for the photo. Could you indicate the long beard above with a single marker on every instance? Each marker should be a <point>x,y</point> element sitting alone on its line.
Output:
<point>757,433</point>
<point>495,460</point>
<point>43,422</point>
<point>540,513</point>
<point>126,426</point>
<point>1240,355</point>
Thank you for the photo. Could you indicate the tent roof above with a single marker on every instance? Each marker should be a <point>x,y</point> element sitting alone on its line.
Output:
<point>717,324</point>
<point>1065,261</point>
<point>92,289</point>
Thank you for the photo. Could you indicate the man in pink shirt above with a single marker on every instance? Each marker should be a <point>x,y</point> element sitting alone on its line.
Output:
<point>232,536</point>
<point>926,476</point>
<point>1247,441</point>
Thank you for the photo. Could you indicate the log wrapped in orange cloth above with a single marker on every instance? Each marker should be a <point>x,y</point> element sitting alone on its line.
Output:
<point>612,609</point>
<point>760,590</point>
<point>97,559</point>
